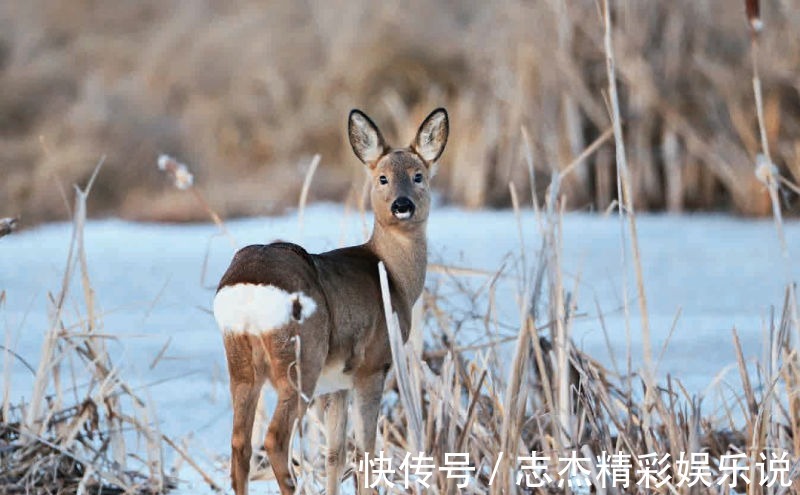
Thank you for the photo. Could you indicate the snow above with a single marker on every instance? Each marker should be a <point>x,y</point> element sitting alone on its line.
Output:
<point>720,273</point>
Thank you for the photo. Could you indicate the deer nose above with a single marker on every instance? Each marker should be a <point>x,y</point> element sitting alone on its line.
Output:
<point>403,208</point>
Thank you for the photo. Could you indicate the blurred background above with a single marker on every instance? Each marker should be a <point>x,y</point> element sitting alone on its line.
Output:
<point>246,92</point>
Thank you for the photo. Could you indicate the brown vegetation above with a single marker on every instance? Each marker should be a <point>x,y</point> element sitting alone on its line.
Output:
<point>553,398</point>
<point>246,92</point>
<point>69,438</point>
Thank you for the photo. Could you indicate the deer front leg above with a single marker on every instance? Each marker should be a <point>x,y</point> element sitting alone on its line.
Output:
<point>336,438</point>
<point>366,405</point>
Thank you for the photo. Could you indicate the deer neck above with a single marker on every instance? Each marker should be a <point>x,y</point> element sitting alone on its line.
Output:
<point>405,254</point>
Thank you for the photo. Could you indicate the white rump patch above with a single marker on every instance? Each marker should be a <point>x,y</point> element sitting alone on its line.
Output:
<point>255,309</point>
<point>332,379</point>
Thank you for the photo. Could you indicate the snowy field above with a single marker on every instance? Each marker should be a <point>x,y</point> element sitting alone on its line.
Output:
<point>719,272</point>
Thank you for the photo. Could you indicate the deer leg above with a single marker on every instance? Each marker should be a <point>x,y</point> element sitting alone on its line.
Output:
<point>289,408</point>
<point>245,389</point>
<point>366,405</point>
<point>245,398</point>
<point>279,435</point>
<point>336,438</point>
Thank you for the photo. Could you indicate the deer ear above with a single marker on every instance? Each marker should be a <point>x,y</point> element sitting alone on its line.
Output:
<point>365,138</point>
<point>432,136</point>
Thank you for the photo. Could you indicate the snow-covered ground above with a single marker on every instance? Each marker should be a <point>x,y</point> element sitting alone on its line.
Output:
<point>719,272</point>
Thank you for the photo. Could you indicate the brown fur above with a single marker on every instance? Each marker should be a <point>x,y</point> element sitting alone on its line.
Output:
<point>348,325</point>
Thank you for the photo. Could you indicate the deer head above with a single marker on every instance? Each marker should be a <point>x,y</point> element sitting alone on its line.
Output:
<point>399,193</point>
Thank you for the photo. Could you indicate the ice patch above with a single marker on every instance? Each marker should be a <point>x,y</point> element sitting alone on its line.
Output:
<point>255,309</point>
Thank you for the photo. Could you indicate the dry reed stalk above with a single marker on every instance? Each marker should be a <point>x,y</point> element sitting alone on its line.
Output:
<point>301,204</point>
<point>47,360</point>
<point>588,151</point>
<point>624,191</point>
<point>528,154</point>
<point>515,399</point>
<point>96,347</point>
<point>7,352</point>
<point>766,171</point>
<point>670,151</point>
<point>182,452</point>
<point>520,233</point>
<point>406,371</point>
<point>560,315</point>
<point>515,396</point>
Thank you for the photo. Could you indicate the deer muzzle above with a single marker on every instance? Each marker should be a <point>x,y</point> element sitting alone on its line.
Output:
<point>403,208</point>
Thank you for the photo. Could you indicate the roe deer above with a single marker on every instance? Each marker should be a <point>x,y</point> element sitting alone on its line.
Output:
<point>272,295</point>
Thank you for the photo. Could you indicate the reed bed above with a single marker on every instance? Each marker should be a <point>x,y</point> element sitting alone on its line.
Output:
<point>522,387</point>
<point>248,93</point>
<point>526,389</point>
<point>82,428</point>
<point>552,402</point>
<point>525,393</point>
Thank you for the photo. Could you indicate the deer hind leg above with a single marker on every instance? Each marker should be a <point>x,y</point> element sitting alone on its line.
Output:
<point>336,438</point>
<point>290,406</point>
<point>366,405</point>
<point>245,387</point>
<point>279,435</point>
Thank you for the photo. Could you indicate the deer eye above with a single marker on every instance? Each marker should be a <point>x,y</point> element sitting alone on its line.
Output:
<point>418,178</point>
<point>383,180</point>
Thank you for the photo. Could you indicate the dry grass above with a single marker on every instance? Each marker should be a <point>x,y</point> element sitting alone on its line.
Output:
<point>554,399</point>
<point>529,388</point>
<point>247,91</point>
<point>551,397</point>
<point>73,437</point>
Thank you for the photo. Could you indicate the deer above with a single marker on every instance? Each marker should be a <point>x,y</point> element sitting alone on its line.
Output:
<point>313,325</point>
